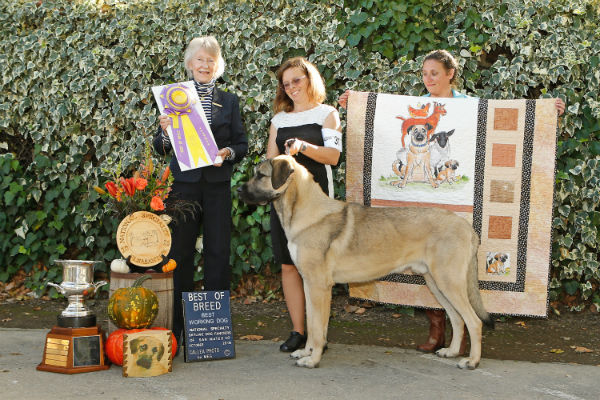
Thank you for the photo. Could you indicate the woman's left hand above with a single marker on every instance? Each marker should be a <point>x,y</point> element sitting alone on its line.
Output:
<point>560,106</point>
<point>223,153</point>
<point>294,146</point>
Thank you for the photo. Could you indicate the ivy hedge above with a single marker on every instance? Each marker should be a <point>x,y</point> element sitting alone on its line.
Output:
<point>76,101</point>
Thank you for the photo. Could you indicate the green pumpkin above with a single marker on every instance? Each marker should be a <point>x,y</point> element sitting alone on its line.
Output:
<point>134,307</point>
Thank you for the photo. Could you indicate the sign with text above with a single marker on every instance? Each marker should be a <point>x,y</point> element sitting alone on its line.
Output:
<point>208,326</point>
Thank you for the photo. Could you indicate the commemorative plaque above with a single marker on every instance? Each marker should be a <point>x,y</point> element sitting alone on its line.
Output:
<point>144,237</point>
<point>208,326</point>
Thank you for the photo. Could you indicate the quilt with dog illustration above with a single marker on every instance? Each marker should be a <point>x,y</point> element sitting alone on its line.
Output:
<point>490,161</point>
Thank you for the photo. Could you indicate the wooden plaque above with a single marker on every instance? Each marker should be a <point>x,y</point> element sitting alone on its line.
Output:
<point>147,353</point>
<point>74,350</point>
<point>145,237</point>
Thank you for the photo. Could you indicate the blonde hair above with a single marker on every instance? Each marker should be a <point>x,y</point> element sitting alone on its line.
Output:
<point>316,86</point>
<point>208,43</point>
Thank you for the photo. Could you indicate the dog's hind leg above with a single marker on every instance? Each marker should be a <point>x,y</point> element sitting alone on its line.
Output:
<point>460,302</point>
<point>318,301</point>
<point>455,320</point>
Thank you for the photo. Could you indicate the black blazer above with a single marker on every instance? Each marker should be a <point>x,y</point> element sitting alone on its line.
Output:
<point>228,130</point>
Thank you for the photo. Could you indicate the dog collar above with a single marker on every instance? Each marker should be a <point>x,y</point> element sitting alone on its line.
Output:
<point>417,145</point>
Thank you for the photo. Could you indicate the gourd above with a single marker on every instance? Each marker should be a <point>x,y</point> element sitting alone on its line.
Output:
<point>114,344</point>
<point>133,307</point>
<point>169,266</point>
<point>119,265</point>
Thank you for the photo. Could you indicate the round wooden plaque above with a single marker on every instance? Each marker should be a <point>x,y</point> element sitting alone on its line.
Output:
<point>145,237</point>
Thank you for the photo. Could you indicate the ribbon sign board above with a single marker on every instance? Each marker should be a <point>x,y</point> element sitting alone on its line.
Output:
<point>190,134</point>
<point>208,327</point>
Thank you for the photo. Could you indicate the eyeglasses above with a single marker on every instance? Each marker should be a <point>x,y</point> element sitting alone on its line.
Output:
<point>293,82</point>
<point>208,62</point>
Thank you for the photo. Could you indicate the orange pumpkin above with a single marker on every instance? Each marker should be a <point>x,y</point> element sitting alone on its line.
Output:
<point>114,344</point>
<point>169,266</point>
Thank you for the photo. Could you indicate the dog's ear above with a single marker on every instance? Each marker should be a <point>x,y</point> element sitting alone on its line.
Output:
<point>450,133</point>
<point>282,170</point>
<point>133,345</point>
<point>428,126</point>
<point>161,352</point>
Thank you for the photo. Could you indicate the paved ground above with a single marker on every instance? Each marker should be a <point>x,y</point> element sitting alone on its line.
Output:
<point>260,371</point>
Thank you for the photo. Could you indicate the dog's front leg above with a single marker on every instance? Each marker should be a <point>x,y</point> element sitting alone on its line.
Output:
<point>410,160</point>
<point>318,304</point>
<point>428,172</point>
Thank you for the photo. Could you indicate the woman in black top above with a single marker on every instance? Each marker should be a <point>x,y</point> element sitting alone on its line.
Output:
<point>311,131</point>
<point>210,186</point>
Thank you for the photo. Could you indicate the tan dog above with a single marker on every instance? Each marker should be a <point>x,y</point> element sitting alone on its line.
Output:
<point>417,156</point>
<point>147,352</point>
<point>332,241</point>
<point>496,264</point>
<point>448,173</point>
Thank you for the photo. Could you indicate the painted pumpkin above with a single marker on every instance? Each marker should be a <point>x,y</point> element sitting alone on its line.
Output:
<point>114,344</point>
<point>133,307</point>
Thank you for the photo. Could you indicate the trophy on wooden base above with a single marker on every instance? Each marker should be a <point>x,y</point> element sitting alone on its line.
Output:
<point>76,344</point>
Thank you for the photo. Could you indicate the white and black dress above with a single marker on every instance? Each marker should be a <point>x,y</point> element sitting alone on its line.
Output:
<point>305,125</point>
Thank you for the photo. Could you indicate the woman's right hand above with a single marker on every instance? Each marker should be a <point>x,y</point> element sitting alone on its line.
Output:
<point>343,99</point>
<point>164,121</point>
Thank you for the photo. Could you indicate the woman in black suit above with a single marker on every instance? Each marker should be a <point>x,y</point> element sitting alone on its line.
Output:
<point>210,186</point>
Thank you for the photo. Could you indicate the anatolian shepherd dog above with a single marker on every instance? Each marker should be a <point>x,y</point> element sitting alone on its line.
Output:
<point>332,241</point>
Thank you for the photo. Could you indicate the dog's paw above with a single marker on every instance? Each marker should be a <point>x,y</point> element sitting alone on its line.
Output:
<point>301,353</point>
<point>307,362</point>
<point>446,353</point>
<point>467,363</point>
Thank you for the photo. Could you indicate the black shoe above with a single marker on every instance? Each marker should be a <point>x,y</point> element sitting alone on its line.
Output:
<point>293,343</point>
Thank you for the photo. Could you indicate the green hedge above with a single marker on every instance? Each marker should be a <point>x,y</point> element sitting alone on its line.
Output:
<point>76,101</point>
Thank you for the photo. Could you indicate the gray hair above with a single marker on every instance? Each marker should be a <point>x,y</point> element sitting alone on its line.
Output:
<point>208,43</point>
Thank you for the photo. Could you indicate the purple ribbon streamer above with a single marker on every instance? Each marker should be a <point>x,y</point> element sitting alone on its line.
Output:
<point>180,146</point>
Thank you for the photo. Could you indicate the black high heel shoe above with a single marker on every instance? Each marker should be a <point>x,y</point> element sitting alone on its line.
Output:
<point>293,343</point>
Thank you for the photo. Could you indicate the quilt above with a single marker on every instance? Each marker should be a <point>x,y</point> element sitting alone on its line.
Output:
<point>490,161</point>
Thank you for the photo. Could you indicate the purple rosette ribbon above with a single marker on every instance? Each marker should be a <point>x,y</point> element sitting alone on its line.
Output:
<point>191,134</point>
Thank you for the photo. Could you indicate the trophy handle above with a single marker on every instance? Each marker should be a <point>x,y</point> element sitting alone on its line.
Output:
<point>99,284</point>
<point>60,289</point>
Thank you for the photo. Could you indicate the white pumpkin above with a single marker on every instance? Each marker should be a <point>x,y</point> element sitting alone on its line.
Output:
<point>119,265</point>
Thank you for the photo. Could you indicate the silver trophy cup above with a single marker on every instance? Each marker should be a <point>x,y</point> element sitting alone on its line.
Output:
<point>78,277</point>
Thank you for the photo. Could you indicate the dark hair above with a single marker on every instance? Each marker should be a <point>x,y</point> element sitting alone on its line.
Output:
<point>447,60</point>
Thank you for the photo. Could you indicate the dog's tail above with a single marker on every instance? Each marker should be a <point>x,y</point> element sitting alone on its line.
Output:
<point>473,286</point>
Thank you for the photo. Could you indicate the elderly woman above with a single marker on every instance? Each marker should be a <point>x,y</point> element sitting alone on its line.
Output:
<point>439,73</point>
<point>209,187</point>
<point>306,128</point>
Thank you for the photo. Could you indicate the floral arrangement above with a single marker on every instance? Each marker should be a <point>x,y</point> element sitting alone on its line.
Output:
<point>145,190</point>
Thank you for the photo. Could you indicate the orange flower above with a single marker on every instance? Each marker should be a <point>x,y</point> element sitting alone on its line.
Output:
<point>99,190</point>
<point>112,188</point>
<point>141,183</point>
<point>165,174</point>
<point>157,204</point>
<point>128,185</point>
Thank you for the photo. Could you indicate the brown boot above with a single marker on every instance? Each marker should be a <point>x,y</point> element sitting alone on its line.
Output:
<point>437,331</point>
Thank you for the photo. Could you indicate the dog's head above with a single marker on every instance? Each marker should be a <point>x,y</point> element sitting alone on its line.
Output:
<point>451,164</point>
<point>502,257</point>
<point>270,181</point>
<point>441,138</point>
<point>147,349</point>
<point>419,132</point>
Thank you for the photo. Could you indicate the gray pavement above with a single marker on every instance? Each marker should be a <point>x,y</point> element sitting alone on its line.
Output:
<point>260,371</point>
